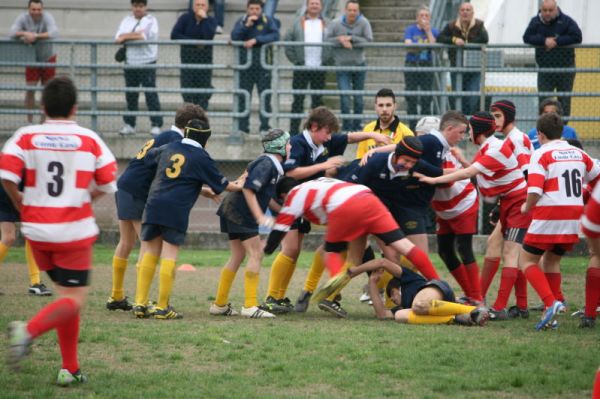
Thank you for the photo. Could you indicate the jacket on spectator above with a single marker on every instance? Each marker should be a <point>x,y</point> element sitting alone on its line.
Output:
<point>295,54</point>
<point>564,29</point>
<point>361,33</point>
<point>187,28</point>
<point>475,33</point>
<point>264,30</point>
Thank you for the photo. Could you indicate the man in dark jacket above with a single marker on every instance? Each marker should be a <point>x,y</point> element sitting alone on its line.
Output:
<point>550,31</point>
<point>466,29</point>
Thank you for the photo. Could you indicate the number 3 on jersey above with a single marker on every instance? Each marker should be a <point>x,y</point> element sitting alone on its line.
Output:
<point>145,149</point>
<point>177,161</point>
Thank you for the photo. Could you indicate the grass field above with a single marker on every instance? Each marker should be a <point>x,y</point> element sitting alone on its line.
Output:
<point>297,355</point>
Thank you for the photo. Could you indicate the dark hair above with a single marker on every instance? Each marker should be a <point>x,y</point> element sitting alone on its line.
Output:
<point>252,2</point>
<point>187,112</point>
<point>551,125</point>
<point>385,92</point>
<point>575,143</point>
<point>285,185</point>
<point>35,1</point>
<point>144,2</point>
<point>351,2</point>
<point>453,118</point>
<point>59,97</point>
<point>550,101</point>
<point>322,117</point>
<point>393,283</point>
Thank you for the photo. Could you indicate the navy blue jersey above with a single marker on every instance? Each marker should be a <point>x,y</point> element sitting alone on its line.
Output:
<point>263,175</point>
<point>181,170</point>
<point>305,153</point>
<point>349,172</point>
<point>410,284</point>
<point>137,177</point>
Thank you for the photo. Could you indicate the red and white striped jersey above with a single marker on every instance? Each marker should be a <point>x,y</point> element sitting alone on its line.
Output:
<point>590,222</point>
<point>557,173</point>
<point>315,199</point>
<point>453,199</point>
<point>62,163</point>
<point>500,174</point>
<point>521,146</point>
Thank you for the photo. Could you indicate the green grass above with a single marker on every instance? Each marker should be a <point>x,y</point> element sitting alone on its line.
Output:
<point>298,355</point>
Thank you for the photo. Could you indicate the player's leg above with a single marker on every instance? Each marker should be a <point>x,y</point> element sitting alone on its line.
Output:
<point>419,312</point>
<point>491,260</point>
<point>416,256</point>
<point>510,254</point>
<point>127,239</point>
<point>8,234</point>
<point>464,243</point>
<point>313,277</point>
<point>152,244</point>
<point>436,304</point>
<point>172,240</point>
<point>254,248</point>
<point>551,266</point>
<point>36,287</point>
<point>592,284</point>
<point>447,252</point>
<point>221,305</point>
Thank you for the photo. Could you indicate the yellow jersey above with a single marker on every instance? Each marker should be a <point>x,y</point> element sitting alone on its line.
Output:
<point>396,131</point>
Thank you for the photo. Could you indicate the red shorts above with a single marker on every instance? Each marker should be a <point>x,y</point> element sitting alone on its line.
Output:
<point>45,74</point>
<point>79,258</point>
<point>361,215</point>
<point>510,213</point>
<point>465,223</point>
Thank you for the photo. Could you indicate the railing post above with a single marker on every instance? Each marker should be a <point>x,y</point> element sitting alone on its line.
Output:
<point>274,85</point>
<point>93,87</point>
<point>236,86</point>
<point>459,79</point>
<point>484,64</point>
<point>72,61</point>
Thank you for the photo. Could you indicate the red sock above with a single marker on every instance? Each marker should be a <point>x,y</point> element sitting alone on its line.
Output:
<point>462,278</point>
<point>473,273</point>
<point>507,280</point>
<point>521,290</point>
<point>490,267</point>
<point>596,392</point>
<point>592,291</point>
<point>51,316</point>
<point>554,279</point>
<point>68,334</point>
<point>538,281</point>
<point>334,263</point>
<point>422,263</point>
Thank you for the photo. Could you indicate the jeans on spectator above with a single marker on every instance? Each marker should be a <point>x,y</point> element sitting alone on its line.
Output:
<point>559,81</point>
<point>415,81</point>
<point>351,80</point>
<point>470,82</point>
<point>218,11</point>
<point>260,77</point>
<point>143,78</point>
<point>270,8</point>
<point>301,81</point>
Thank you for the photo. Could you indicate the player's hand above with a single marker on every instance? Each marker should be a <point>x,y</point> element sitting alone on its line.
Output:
<point>382,139</point>
<point>524,208</point>
<point>333,162</point>
<point>351,271</point>
<point>267,222</point>
<point>366,157</point>
<point>241,179</point>
<point>494,215</point>
<point>249,43</point>
<point>376,276</point>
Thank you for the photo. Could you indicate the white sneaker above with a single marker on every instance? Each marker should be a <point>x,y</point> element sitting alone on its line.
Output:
<point>256,313</point>
<point>127,130</point>
<point>155,131</point>
<point>226,310</point>
<point>219,30</point>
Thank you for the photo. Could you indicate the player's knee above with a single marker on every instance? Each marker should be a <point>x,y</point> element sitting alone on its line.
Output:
<point>8,240</point>
<point>421,306</point>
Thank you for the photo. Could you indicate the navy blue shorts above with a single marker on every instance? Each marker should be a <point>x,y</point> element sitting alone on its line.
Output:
<point>172,236</point>
<point>447,293</point>
<point>128,206</point>
<point>237,231</point>
<point>412,220</point>
<point>302,225</point>
<point>8,213</point>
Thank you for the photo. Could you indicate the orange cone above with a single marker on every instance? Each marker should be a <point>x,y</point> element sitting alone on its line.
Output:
<point>186,267</point>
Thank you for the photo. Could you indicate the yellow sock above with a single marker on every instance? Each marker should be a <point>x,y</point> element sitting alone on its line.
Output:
<point>443,308</point>
<point>414,318</point>
<point>285,281</point>
<point>119,265</point>
<point>145,275</point>
<point>250,289</point>
<point>167,278</point>
<point>404,262</point>
<point>278,271</point>
<point>225,282</point>
<point>336,292</point>
<point>314,274</point>
<point>3,251</point>
<point>34,271</point>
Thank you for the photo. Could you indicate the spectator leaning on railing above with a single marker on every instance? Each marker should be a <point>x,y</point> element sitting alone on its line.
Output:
<point>465,29</point>
<point>550,31</point>
<point>140,26</point>
<point>308,28</point>
<point>196,25</point>
<point>34,27</point>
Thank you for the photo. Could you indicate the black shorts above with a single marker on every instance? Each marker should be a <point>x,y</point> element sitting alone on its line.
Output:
<point>411,219</point>
<point>302,225</point>
<point>447,293</point>
<point>128,206</point>
<point>236,231</point>
<point>168,234</point>
<point>68,277</point>
<point>515,234</point>
<point>8,213</point>
<point>558,249</point>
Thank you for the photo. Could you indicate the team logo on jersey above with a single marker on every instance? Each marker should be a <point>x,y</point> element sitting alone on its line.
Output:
<point>567,155</point>
<point>411,224</point>
<point>56,142</point>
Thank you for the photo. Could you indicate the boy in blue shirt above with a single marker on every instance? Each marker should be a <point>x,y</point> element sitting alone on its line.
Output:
<point>547,106</point>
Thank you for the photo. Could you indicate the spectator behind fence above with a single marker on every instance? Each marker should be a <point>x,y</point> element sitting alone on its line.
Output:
<point>550,31</point>
<point>33,28</point>
<point>421,32</point>
<point>547,106</point>
<point>255,29</point>
<point>308,28</point>
<point>140,26</point>
<point>329,9</point>
<point>346,32</point>
<point>218,11</point>
<point>465,29</point>
<point>196,25</point>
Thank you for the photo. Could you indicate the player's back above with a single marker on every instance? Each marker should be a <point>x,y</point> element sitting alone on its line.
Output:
<point>451,200</point>
<point>521,146</point>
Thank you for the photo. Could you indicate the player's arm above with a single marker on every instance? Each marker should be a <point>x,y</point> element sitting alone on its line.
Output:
<point>380,139</point>
<point>460,174</point>
<point>381,311</point>
<point>385,148</point>
<point>376,264</point>
<point>274,206</point>
<point>530,202</point>
<point>12,190</point>
<point>259,216</point>
<point>303,172</point>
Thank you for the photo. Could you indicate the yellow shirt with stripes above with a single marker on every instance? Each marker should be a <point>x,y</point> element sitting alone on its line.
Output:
<point>396,131</point>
